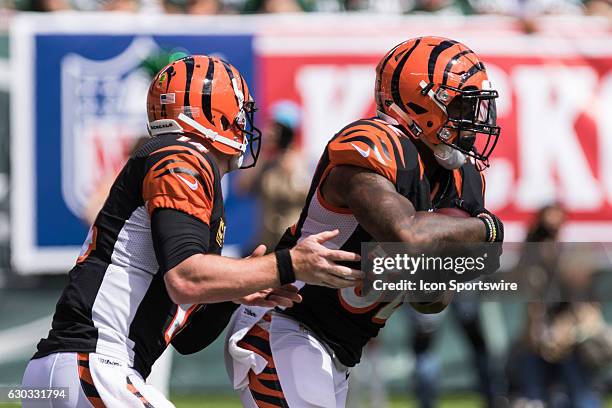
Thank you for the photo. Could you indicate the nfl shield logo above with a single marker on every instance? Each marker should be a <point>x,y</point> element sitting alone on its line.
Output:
<point>103,114</point>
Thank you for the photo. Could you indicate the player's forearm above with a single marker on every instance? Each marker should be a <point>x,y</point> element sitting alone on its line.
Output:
<point>390,217</point>
<point>204,327</point>
<point>212,278</point>
<point>429,228</point>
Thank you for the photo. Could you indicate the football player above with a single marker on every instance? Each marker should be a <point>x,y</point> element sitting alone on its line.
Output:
<point>376,181</point>
<point>150,273</point>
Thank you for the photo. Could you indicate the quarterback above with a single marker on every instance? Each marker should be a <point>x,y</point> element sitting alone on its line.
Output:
<point>377,180</point>
<point>150,273</point>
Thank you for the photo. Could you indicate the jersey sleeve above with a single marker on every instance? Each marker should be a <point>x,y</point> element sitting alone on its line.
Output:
<point>368,144</point>
<point>204,327</point>
<point>179,180</point>
<point>470,184</point>
<point>177,236</point>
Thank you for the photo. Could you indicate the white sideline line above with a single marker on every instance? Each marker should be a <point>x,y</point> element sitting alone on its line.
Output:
<point>21,340</point>
<point>5,70</point>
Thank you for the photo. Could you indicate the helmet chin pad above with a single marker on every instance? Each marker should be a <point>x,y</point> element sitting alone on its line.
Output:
<point>447,156</point>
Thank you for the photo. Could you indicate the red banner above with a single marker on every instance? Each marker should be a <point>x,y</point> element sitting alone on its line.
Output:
<point>555,109</point>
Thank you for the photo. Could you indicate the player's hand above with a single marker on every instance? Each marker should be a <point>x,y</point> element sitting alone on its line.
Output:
<point>284,296</point>
<point>315,264</point>
<point>494,226</point>
<point>257,252</point>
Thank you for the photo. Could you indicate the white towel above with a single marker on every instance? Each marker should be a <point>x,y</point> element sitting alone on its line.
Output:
<point>238,360</point>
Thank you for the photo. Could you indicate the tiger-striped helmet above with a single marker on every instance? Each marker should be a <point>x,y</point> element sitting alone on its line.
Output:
<point>438,89</point>
<point>206,97</point>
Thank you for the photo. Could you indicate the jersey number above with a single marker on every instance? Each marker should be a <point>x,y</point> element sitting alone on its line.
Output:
<point>352,300</point>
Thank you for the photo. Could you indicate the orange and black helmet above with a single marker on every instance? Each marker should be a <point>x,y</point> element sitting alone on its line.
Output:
<point>206,97</point>
<point>438,89</point>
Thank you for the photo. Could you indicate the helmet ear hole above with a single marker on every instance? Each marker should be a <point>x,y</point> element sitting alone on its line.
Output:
<point>225,123</point>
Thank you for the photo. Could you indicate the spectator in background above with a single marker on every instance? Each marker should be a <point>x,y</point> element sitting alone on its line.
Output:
<point>195,7</point>
<point>427,372</point>
<point>599,8</point>
<point>548,350</point>
<point>281,182</point>
<point>204,7</point>
<point>130,6</point>
<point>49,5</point>
<point>276,6</point>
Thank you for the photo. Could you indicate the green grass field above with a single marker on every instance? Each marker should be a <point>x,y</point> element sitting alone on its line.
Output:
<point>399,401</point>
<point>230,401</point>
<point>459,401</point>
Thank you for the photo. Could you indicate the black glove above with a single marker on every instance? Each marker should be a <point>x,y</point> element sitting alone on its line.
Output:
<point>495,227</point>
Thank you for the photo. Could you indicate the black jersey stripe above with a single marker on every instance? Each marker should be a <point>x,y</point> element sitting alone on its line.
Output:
<point>343,132</point>
<point>435,54</point>
<point>166,153</point>
<point>90,390</point>
<point>364,139</point>
<point>166,162</point>
<point>271,384</point>
<point>269,370</point>
<point>451,62</point>
<point>276,401</point>
<point>385,148</point>
<point>207,91</point>
<point>260,344</point>
<point>181,170</point>
<point>395,79</point>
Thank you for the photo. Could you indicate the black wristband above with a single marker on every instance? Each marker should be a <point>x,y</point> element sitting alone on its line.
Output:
<point>285,267</point>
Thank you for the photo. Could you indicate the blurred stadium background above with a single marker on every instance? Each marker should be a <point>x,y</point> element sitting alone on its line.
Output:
<point>73,78</point>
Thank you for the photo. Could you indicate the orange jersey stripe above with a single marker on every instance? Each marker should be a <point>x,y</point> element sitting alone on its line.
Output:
<point>458,181</point>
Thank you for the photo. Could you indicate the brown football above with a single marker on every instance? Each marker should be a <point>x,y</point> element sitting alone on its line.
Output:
<point>446,297</point>
<point>453,212</point>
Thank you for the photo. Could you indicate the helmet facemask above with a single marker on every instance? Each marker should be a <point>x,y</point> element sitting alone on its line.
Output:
<point>471,124</point>
<point>245,124</point>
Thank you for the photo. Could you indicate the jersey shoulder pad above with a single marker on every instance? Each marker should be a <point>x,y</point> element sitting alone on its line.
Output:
<point>368,143</point>
<point>180,178</point>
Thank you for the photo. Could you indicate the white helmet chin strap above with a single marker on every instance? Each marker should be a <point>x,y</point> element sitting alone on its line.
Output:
<point>214,136</point>
<point>161,126</point>
<point>386,118</point>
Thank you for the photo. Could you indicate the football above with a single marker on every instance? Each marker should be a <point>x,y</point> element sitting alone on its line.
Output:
<point>447,297</point>
<point>453,212</point>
